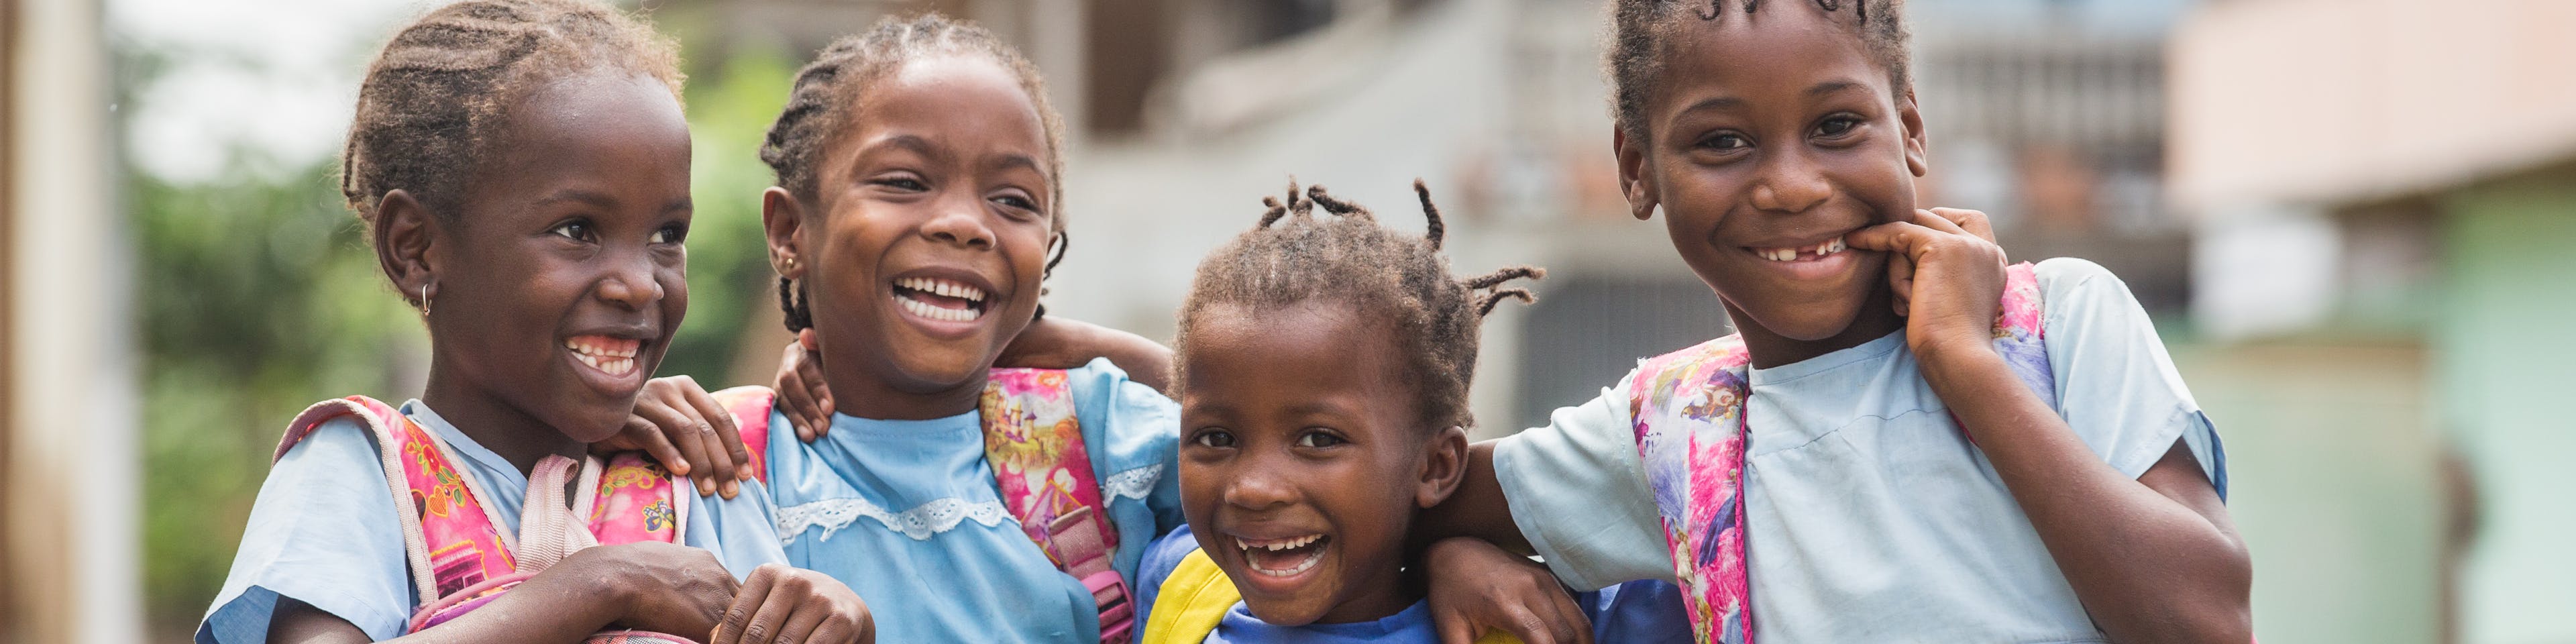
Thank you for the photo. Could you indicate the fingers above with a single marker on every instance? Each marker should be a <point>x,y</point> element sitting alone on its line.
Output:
<point>686,433</point>
<point>1901,237</point>
<point>644,435</point>
<point>1974,222</point>
<point>791,390</point>
<point>748,602</point>
<point>801,626</point>
<point>726,457</point>
<point>1452,627</point>
<point>1570,622</point>
<point>1522,623</point>
<point>811,371</point>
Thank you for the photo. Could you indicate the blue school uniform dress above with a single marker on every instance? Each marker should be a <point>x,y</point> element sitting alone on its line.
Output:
<point>1640,612</point>
<point>324,531</point>
<point>1871,516</point>
<point>906,512</point>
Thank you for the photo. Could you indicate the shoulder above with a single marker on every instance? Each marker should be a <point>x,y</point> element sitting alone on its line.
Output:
<point>323,530</point>
<point>1161,558</point>
<point>2073,280</point>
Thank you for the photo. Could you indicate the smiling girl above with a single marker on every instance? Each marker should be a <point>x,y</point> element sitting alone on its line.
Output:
<point>1908,440</point>
<point>523,169</point>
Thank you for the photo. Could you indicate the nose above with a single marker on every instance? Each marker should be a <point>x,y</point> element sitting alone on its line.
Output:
<point>1789,184</point>
<point>1254,489</point>
<point>960,222</point>
<point>630,282</point>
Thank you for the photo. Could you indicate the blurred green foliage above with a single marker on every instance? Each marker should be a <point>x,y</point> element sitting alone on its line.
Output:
<point>257,295</point>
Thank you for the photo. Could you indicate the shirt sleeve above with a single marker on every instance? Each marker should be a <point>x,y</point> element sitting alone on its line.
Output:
<point>1578,491</point>
<point>741,531</point>
<point>2116,386</point>
<point>322,531</point>
<point>1133,434</point>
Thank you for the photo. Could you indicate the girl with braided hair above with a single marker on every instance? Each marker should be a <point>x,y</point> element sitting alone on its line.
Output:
<point>1324,369</point>
<point>1909,440</point>
<point>523,169</point>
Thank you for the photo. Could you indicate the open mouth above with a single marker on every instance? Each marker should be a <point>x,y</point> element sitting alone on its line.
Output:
<point>1283,557</point>
<point>1811,253</point>
<point>611,356</point>
<point>939,299</point>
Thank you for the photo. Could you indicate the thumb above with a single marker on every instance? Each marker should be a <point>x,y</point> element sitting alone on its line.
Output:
<point>1453,628</point>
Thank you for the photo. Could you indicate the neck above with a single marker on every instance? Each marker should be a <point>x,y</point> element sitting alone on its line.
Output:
<point>1876,318</point>
<point>1379,599</point>
<point>865,395</point>
<point>480,414</point>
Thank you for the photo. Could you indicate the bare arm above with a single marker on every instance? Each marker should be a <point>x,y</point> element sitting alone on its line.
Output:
<point>658,587</point>
<point>1477,509</point>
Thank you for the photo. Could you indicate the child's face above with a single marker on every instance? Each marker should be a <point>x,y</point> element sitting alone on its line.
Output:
<point>567,273</point>
<point>927,255</point>
<point>1768,137</point>
<point>1301,465</point>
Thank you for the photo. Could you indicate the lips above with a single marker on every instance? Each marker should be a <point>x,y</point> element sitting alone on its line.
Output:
<point>939,299</point>
<point>610,356</point>
<point>1283,557</point>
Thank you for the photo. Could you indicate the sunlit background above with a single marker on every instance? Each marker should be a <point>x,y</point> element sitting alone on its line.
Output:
<point>2349,218</point>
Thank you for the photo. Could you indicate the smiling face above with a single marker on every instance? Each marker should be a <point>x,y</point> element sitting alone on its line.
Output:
<point>924,249</point>
<point>1301,465</point>
<point>559,282</point>
<point>1767,137</point>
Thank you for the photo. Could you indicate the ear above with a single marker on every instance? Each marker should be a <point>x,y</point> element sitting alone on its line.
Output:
<point>782,216</point>
<point>1917,147</point>
<point>1444,465</point>
<point>405,234</point>
<point>1634,181</point>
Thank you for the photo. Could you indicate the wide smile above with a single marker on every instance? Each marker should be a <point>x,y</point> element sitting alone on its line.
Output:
<point>944,305</point>
<point>1281,564</point>
<point>607,362</point>
<point>1806,260</point>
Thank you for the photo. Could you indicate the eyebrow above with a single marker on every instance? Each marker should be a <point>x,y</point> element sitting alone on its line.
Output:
<point>1018,162</point>
<point>914,144</point>
<point>594,199</point>
<point>1832,86</point>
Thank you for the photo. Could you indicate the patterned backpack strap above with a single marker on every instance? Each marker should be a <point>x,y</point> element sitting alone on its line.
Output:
<point>1035,448</point>
<point>2018,335</point>
<point>1687,408</point>
<point>452,540</point>
<point>750,406</point>
<point>630,499</point>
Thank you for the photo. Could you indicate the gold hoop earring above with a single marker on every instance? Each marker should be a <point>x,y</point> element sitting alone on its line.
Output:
<point>424,299</point>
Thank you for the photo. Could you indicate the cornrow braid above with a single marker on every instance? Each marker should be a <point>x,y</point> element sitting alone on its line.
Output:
<point>1638,29</point>
<point>1294,256</point>
<point>837,80</point>
<point>434,101</point>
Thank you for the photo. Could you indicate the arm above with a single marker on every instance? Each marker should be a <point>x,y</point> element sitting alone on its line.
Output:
<point>1477,510</point>
<point>2153,558</point>
<point>651,586</point>
<point>1059,343</point>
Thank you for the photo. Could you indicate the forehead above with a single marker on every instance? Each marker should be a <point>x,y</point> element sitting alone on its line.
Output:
<point>1779,52</point>
<point>1309,347</point>
<point>963,101</point>
<point>604,124</point>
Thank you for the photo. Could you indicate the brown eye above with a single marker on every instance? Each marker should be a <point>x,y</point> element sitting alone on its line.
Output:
<point>1318,439</point>
<point>573,230</point>
<point>1837,126</point>
<point>1726,142</point>
<point>1216,438</point>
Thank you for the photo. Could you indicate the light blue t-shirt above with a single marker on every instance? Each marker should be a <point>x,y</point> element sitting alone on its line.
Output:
<point>1871,517</point>
<point>906,512</point>
<point>1637,612</point>
<point>324,531</point>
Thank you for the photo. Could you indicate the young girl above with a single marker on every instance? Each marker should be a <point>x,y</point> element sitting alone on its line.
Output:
<point>523,168</point>
<point>1324,373</point>
<point>1876,457</point>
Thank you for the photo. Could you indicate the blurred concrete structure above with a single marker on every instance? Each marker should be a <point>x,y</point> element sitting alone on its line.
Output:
<point>2375,168</point>
<point>68,472</point>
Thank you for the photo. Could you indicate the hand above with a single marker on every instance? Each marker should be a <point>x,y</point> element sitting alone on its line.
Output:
<point>687,431</point>
<point>661,587</point>
<point>1476,587</point>
<point>1949,281</point>
<point>802,393</point>
<point>791,605</point>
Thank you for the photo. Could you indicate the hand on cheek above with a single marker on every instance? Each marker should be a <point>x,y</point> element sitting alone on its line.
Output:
<point>1948,278</point>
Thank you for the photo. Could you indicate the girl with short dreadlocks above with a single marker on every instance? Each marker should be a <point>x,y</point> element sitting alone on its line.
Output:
<point>522,167</point>
<point>1325,364</point>
<point>1908,439</point>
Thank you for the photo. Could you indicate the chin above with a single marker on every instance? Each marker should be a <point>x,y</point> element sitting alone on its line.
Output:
<point>1284,613</point>
<point>936,370</point>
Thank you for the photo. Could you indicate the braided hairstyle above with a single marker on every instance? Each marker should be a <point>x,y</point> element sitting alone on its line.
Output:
<point>1638,29</point>
<point>436,99</point>
<point>1294,256</point>
<point>826,90</point>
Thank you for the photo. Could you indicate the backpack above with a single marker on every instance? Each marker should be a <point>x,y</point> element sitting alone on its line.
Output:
<point>1044,473</point>
<point>458,556</point>
<point>1194,600</point>
<point>1688,410</point>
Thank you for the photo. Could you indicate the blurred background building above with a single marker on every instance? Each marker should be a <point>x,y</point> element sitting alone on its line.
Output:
<point>2341,213</point>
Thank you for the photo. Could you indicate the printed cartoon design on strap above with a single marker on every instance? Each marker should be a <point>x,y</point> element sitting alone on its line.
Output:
<point>459,555</point>
<point>1035,447</point>
<point>1034,444</point>
<point>1688,409</point>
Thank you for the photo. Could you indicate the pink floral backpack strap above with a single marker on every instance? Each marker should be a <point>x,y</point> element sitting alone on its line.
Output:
<point>452,540</point>
<point>750,406</point>
<point>1035,447</point>
<point>1688,411</point>
<point>2018,334</point>
<point>628,498</point>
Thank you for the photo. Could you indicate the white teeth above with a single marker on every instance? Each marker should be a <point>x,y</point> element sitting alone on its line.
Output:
<point>1275,546</point>
<point>923,309</point>
<point>943,288</point>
